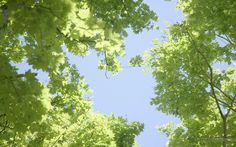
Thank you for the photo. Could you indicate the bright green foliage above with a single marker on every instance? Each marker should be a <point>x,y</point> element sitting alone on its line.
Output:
<point>40,33</point>
<point>196,75</point>
<point>136,61</point>
<point>125,133</point>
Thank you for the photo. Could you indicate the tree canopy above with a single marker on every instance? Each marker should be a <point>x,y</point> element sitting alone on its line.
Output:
<point>193,65</point>
<point>39,34</point>
<point>196,76</point>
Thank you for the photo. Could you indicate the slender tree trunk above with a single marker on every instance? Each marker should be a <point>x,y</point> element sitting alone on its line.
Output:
<point>225,132</point>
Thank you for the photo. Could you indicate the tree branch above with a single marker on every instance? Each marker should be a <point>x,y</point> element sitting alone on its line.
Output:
<point>213,86</point>
<point>229,106</point>
<point>105,54</point>
<point>84,40</point>
<point>210,70</point>
<point>226,38</point>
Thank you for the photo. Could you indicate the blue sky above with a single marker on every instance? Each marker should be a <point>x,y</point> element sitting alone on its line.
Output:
<point>129,93</point>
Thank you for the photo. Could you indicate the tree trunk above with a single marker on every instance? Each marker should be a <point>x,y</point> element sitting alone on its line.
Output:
<point>224,132</point>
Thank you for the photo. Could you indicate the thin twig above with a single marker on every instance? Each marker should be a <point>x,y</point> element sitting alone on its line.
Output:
<point>105,54</point>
